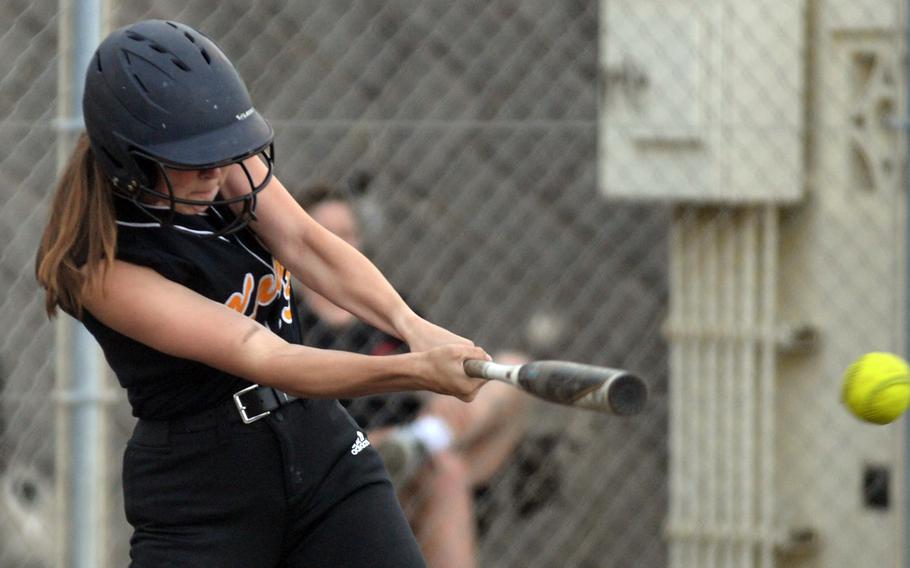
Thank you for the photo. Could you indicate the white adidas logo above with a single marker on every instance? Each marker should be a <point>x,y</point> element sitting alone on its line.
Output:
<point>359,444</point>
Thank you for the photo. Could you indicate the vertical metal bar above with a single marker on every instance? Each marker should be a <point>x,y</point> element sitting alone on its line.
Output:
<point>748,253</point>
<point>86,472</point>
<point>728,421</point>
<point>678,347</point>
<point>80,374</point>
<point>697,388</point>
<point>710,293</point>
<point>767,379</point>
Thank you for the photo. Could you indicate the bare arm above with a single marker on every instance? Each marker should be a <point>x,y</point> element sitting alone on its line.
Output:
<point>140,303</point>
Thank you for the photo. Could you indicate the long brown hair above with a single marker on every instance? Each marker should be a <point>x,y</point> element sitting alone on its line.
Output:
<point>80,238</point>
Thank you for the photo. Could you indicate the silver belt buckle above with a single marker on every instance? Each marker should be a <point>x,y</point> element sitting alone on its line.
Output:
<point>242,409</point>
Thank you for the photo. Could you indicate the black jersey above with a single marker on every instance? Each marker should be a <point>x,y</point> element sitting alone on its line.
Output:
<point>235,270</point>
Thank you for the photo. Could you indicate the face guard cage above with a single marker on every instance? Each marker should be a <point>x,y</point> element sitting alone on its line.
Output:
<point>241,218</point>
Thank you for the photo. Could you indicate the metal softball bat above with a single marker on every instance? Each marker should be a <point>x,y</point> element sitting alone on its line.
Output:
<point>603,389</point>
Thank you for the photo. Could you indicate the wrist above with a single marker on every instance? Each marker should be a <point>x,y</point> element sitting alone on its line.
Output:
<point>406,323</point>
<point>418,369</point>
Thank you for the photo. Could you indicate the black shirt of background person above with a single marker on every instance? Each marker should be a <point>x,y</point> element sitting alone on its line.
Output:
<point>369,411</point>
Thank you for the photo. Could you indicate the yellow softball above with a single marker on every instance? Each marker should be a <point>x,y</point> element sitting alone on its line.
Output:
<point>877,387</point>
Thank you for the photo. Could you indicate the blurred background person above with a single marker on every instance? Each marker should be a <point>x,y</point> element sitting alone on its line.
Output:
<point>439,453</point>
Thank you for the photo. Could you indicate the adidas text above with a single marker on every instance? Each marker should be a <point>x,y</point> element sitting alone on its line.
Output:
<point>359,444</point>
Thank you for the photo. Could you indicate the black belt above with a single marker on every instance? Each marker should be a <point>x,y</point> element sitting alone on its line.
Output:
<point>246,405</point>
<point>255,402</point>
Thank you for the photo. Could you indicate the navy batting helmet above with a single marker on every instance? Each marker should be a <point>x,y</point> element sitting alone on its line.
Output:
<point>161,94</point>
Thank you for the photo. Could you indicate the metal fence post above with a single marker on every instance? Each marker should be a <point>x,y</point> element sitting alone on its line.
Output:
<point>79,371</point>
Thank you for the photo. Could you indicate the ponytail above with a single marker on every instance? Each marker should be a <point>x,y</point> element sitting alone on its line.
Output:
<point>80,238</point>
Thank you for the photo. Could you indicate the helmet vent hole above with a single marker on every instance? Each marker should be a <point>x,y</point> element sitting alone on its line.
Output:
<point>157,48</point>
<point>134,36</point>
<point>173,25</point>
<point>140,83</point>
<point>205,54</point>
<point>98,61</point>
<point>189,37</point>
<point>180,64</point>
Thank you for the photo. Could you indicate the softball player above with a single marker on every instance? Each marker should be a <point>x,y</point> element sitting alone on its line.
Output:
<point>173,243</point>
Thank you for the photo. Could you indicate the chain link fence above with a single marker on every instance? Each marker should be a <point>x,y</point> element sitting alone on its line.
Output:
<point>708,193</point>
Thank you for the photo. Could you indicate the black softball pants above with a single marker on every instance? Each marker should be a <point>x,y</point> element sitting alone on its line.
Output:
<point>292,490</point>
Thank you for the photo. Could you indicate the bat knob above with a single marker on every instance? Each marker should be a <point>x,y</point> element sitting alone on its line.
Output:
<point>627,395</point>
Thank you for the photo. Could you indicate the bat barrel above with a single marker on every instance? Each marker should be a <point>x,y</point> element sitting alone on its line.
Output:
<point>627,394</point>
<point>586,386</point>
<point>583,386</point>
